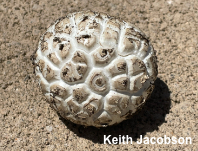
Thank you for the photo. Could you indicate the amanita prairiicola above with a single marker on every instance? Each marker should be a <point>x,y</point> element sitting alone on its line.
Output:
<point>94,69</point>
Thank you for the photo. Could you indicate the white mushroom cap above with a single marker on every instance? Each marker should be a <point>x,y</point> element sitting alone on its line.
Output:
<point>94,69</point>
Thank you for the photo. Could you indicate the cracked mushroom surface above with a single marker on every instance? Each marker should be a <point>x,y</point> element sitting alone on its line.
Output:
<point>95,70</point>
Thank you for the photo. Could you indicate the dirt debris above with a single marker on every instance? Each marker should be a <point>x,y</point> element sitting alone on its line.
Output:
<point>172,109</point>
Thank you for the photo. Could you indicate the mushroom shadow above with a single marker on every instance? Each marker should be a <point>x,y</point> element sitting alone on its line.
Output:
<point>148,119</point>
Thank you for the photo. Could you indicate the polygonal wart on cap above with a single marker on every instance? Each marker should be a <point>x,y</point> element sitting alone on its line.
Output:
<point>94,69</point>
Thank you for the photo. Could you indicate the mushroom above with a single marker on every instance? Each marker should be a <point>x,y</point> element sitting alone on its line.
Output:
<point>94,69</point>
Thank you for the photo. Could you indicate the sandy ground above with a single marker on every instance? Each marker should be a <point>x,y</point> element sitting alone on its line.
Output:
<point>28,123</point>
